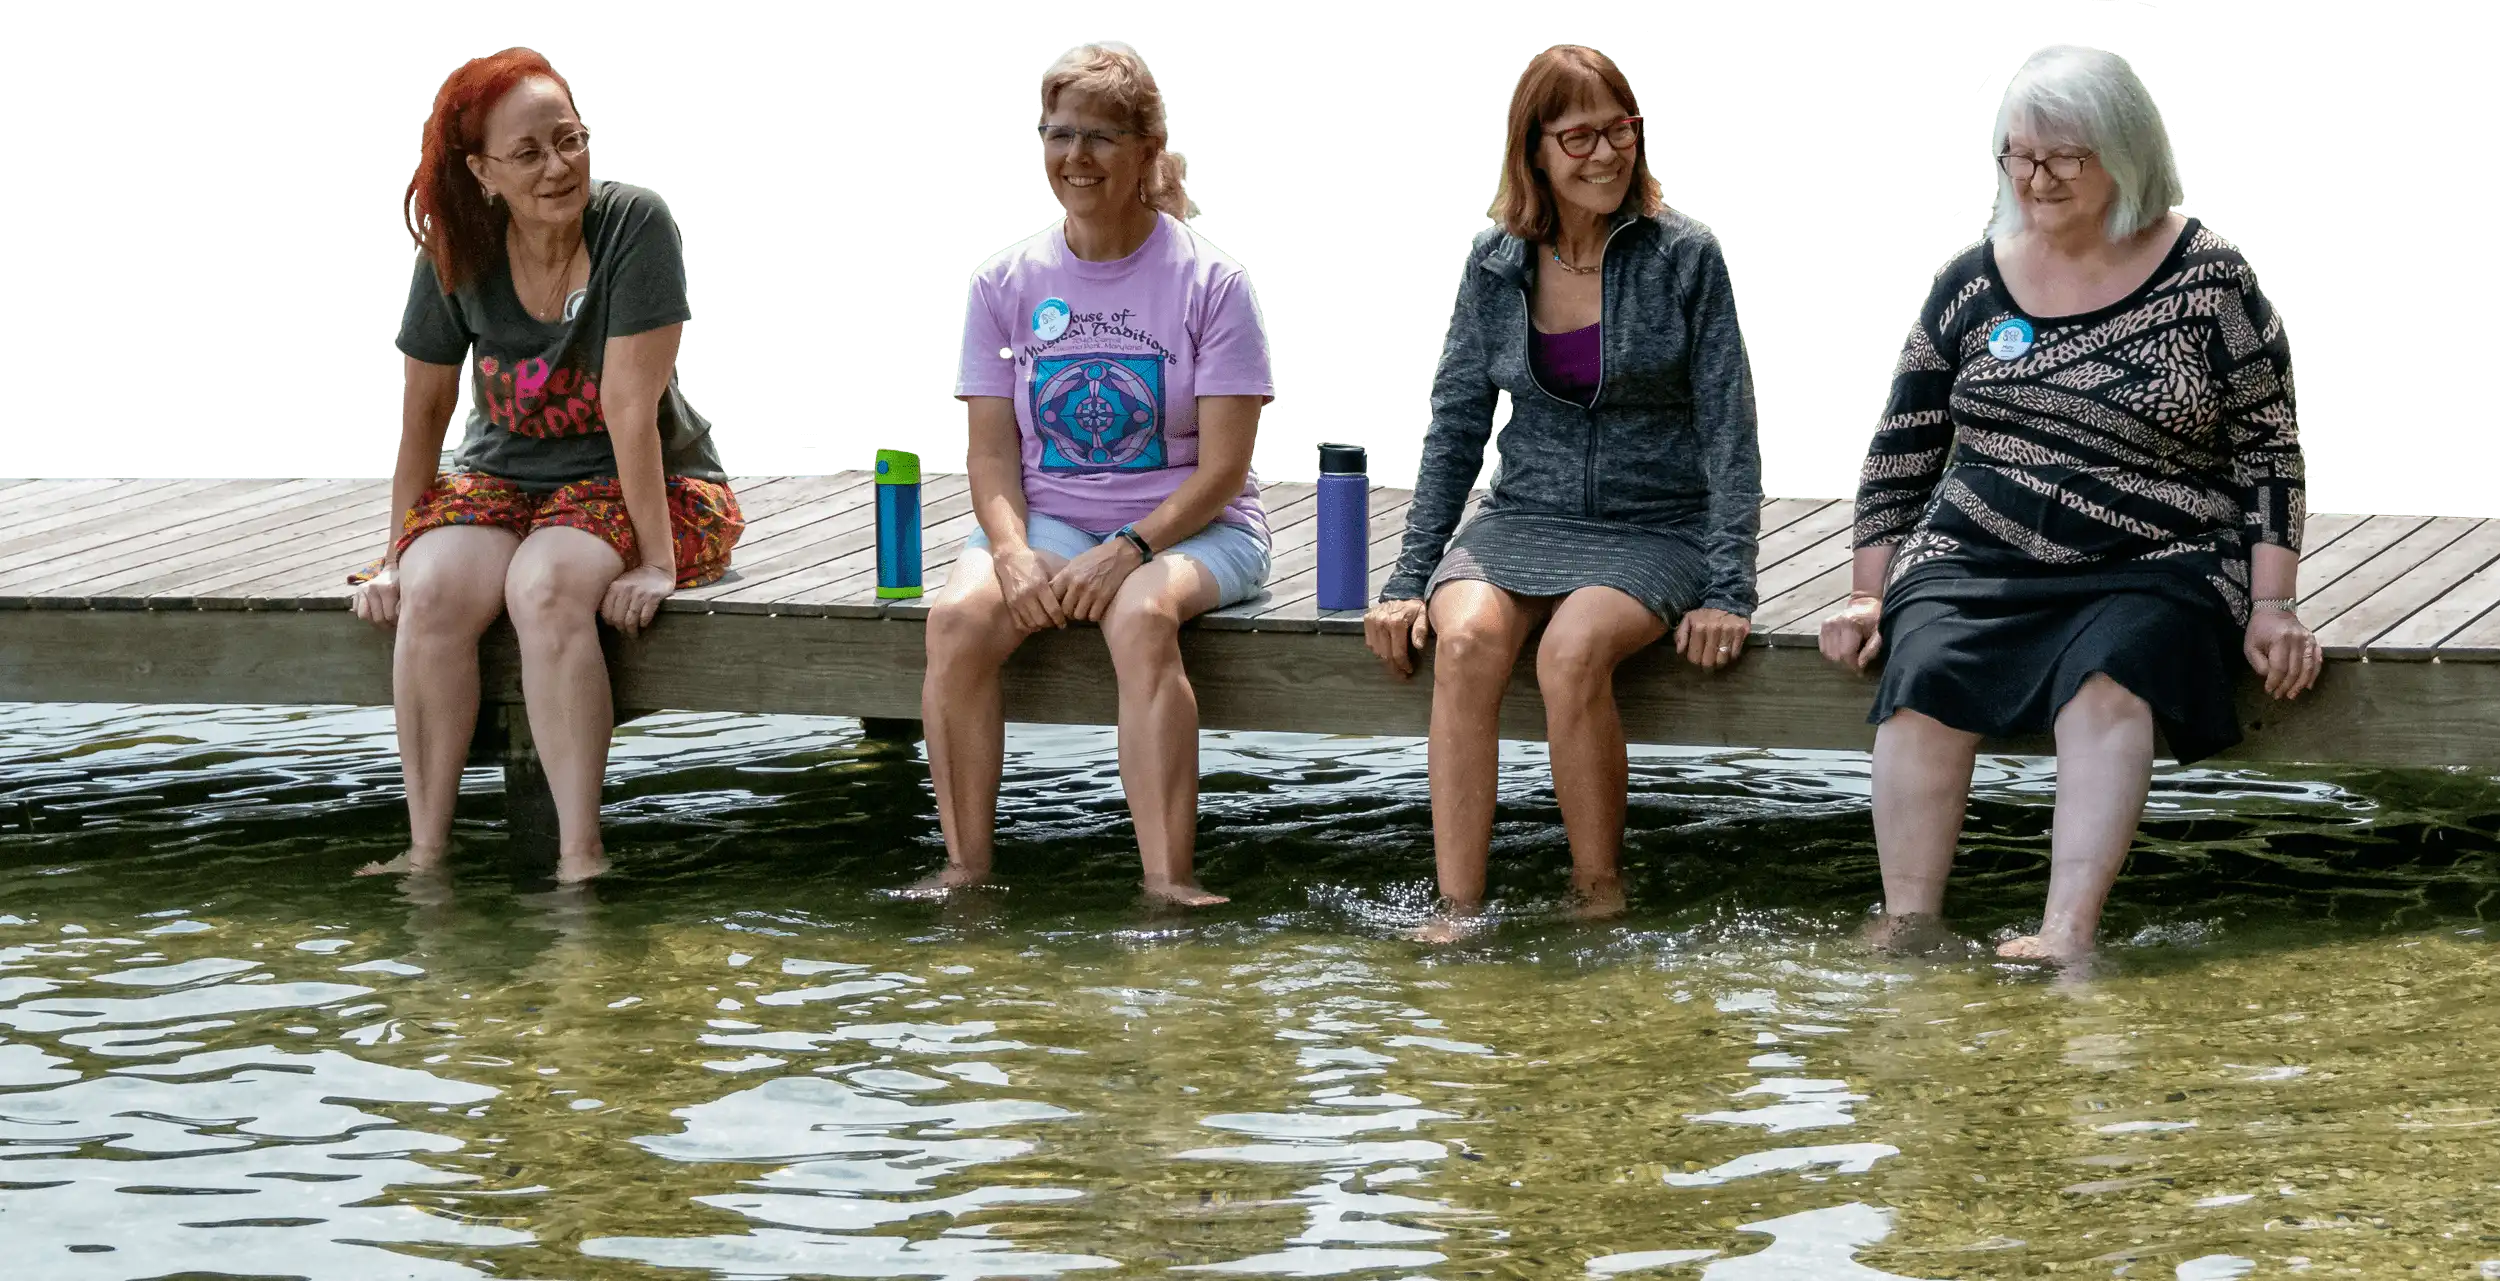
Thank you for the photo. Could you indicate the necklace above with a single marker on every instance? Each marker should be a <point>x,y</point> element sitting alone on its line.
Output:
<point>1577,271</point>
<point>554,308</point>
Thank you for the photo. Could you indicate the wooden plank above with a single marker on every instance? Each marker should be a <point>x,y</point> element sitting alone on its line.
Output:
<point>2323,606</point>
<point>1804,536</point>
<point>36,582</point>
<point>44,522</point>
<point>2360,627</point>
<point>2322,568</point>
<point>2428,630</point>
<point>2323,528</point>
<point>192,581</point>
<point>1795,617</point>
<point>1780,513</point>
<point>830,553</point>
<point>186,514</point>
<point>1293,576</point>
<point>2392,714</point>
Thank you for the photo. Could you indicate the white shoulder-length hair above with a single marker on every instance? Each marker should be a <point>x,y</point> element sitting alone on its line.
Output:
<point>2070,95</point>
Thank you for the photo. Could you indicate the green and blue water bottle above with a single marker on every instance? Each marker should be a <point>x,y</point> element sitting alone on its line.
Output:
<point>898,525</point>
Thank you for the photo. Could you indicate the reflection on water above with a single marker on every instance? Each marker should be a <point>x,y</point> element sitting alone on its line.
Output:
<point>738,1058</point>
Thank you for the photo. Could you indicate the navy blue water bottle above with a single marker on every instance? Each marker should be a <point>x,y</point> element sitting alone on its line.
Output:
<point>1345,521</point>
<point>898,525</point>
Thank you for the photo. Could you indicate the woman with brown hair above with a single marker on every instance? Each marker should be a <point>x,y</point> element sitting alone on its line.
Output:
<point>585,486</point>
<point>1629,491</point>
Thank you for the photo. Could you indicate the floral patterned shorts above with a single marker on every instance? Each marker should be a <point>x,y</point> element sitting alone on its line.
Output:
<point>703,517</point>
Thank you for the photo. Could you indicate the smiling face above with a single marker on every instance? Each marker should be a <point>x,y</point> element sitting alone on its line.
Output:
<point>529,122</point>
<point>1595,182</point>
<point>2058,207</point>
<point>1098,165</point>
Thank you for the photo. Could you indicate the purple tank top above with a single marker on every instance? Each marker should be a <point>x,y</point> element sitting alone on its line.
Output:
<point>1566,364</point>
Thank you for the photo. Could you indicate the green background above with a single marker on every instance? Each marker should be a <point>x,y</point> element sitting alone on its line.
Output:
<point>208,261</point>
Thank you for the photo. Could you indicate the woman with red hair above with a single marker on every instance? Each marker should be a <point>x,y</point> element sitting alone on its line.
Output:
<point>585,487</point>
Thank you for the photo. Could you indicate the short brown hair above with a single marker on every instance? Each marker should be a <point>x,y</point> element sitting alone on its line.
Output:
<point>1563,77</point>
<point>1113,75</point>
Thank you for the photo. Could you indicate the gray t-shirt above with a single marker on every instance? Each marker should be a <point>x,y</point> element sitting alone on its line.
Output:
<point>535,417</point>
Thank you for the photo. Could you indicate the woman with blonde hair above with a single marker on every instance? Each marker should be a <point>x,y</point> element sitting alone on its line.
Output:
<point>1113,370</point>
<point>2085,493</point>
<point>1629,494</point>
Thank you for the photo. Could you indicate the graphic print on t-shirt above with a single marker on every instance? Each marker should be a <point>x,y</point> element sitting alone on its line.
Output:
<point>531,398</point>
<point>1100,412</point>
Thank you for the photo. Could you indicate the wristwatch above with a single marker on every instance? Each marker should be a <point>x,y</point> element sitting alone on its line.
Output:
<point>1136,540</point>
<point>2287,604</point>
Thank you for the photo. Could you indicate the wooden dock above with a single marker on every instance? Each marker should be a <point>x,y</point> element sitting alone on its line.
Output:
<point>234,591</point>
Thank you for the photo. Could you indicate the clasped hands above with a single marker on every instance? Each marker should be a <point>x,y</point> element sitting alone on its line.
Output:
<point>1082,590</point>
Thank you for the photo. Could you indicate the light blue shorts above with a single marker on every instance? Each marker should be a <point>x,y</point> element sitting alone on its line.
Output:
<point>1235,554</point>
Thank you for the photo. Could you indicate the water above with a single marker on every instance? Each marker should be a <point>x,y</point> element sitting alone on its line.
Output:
<point>221,1055</point>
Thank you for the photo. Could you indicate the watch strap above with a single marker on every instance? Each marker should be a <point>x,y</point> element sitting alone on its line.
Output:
<point>1136,540</point>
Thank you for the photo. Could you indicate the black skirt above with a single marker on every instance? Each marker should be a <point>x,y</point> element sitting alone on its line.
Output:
<point>2001,656</point>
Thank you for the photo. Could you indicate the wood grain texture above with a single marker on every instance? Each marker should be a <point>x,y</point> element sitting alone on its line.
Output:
<point>2395,714</point>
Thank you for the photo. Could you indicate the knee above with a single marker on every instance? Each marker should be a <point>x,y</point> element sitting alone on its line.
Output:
<point>968,630</point>
<point>1142,634</point>
<point>431,608</point>
<point>1572,665</point>
<point>543,610</point>
<point>1472,648</point>
<point>2103,705</point>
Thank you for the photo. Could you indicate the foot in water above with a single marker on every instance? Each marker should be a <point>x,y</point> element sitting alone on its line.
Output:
<point>410,861</point>
<point>2038,947</point>
<point>574,868</point>
<point>1182,894</point>
<point>1912,934</point>
<point>945,881</point>
<point>1597,899</point>
<point>1451,922</point>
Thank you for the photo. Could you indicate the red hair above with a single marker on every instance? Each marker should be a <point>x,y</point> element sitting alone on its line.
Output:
<point>1557,80</point>
<point>447,214</point>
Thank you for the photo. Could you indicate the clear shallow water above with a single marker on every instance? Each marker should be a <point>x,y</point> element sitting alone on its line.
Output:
<point>219,1055</point>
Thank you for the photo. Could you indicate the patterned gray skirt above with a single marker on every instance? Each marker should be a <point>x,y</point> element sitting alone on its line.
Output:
<point>1536,554</point>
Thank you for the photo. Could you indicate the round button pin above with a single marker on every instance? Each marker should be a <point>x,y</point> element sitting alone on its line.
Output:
<point>2010,338</point>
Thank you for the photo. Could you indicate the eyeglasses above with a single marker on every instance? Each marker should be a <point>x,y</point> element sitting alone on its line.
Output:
<point>2020,168</point>
<point>1580,144</point>
<point>1071,138</point>
<point>569,146</point>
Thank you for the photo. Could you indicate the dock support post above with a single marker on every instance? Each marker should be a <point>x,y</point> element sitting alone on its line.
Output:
<point>529,808</point>
<point>889,731</point>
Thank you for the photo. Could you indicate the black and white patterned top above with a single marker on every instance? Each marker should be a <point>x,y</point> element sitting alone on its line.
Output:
<point>2158,431</point>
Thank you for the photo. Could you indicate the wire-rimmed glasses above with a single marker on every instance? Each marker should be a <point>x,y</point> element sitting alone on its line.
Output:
<point>569,146</point>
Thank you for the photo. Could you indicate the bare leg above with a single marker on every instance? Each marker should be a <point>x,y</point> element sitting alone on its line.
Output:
<point>2104,770</point>
<point>450,590</point>
<point>1477,629</point>
<point>1159,720</point>
<point>970,635</point>
<point>1590,634</point>
<point>553,593</point>
<point>1922,789</point>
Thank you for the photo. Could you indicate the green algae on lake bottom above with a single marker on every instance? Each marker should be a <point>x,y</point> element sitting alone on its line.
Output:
<point>737,1057</point>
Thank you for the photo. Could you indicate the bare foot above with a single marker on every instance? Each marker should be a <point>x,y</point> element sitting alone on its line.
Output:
<point>943,882</point>
<point>1182,894</point>
<point>1451,922</point>
<point>411,860</point>
<point>1910,934</point>
<point>1597,900</point>
<point>2033,947</point>
<point>573,869</point>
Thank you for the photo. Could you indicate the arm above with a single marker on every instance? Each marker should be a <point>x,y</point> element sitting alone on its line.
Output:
<point>2264,427</point>
<point>1463,396</point>
<point>635,374</point>
<point>994,462</point>
<point>1723,416</point>
<point>1228,429</point>
<point>1903,466</point>
<point>428,395</point>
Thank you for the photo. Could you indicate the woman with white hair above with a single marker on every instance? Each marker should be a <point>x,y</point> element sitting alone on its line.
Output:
<point>2085,491</point>
<point>1113,370</point>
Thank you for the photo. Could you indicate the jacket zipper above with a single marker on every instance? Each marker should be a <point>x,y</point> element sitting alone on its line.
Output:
<point>1588,412</point>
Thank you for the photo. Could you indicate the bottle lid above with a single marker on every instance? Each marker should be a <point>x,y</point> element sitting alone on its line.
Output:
<point>1341,460</point>
<point>897,467</point>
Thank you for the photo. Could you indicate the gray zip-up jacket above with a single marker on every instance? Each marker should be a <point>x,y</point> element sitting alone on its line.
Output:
<point>1669,440</point>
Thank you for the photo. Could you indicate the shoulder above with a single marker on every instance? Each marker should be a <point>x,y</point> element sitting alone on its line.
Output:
<point>1964,276</point>
<point>1680,236</point>
<point>1040,250</point>
<point>1201,258</point>
<point>2209,257</point>
<point>629,206</point>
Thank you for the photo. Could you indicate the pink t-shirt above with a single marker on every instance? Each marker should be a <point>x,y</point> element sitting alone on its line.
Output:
<point>1105,362</point>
